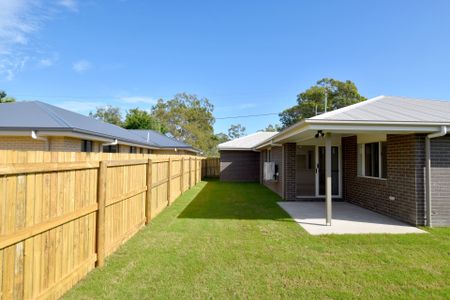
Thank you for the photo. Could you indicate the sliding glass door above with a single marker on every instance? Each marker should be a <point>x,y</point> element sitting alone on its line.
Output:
<point>335,171</point>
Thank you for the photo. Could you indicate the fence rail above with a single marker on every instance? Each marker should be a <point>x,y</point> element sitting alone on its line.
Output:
<point>62,214</point>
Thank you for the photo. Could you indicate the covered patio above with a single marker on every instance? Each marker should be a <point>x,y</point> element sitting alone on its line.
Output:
<point>375,154</point>
<point>347,219</point>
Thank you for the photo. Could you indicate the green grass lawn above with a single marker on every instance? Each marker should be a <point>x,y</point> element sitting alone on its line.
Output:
<point>231,240</point>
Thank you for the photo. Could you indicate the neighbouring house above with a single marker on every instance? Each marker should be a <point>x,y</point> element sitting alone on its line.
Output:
<point>37,126</point>
<point>239,161</point>
<point>387,154</point>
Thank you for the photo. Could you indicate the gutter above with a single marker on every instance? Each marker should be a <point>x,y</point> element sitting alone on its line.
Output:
<point>428,199</point>
<point>35,136</point>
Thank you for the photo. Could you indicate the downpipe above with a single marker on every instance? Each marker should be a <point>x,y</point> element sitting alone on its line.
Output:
<point>35,136</point>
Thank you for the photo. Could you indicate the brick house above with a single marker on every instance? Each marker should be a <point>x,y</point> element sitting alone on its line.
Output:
<point>34,126</point>
<point>388,154</point>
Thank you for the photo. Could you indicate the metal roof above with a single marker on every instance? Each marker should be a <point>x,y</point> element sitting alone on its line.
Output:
<point>36,115</point>
<point>392,109</point>
<point>160,139</point>
<point>247,142</point>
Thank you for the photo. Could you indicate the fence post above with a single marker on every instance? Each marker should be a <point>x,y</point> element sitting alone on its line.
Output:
<point>169,175</point>
<point>101,199</point>
<point>148,199</point>
<point>196,171</point>
<point>190,172</point>
<point>182,176</point>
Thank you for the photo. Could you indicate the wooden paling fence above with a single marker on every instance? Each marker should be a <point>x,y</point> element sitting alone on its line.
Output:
<point>62,213</point>
<point>211,167</point>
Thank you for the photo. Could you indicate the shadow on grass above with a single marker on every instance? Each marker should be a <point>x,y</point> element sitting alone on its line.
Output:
<point>233,200</point>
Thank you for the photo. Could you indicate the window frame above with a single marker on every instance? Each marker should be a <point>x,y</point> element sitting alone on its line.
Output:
<point>361,161</point>
<point>87,146</point>
<point>133,150</point>
<point>108,149</point>
<point>269,155</point>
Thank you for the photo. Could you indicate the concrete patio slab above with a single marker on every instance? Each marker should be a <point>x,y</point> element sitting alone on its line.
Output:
<point>347,219</point>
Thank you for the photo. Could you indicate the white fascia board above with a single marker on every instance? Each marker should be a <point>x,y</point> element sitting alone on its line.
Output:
<point>388,128</point>
<point>360,127</point>
<point>339,122</point>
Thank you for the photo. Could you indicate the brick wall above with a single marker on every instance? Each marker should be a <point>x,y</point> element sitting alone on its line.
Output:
<point>65,144</point>
<point>22,143</point>
<point>440,179</point>
<point>290,152</point>
<point>58,143</point>
<point>405,163</point>
<point>239,166</point>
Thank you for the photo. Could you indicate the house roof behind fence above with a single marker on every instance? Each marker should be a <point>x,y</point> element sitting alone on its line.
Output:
<point>247,142</point>
<point>40,116</point>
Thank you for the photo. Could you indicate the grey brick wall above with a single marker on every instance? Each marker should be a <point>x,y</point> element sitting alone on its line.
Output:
<point>290,151</point>
<point>405,177</point>
<point>239,166</point>
<point>440,179</point>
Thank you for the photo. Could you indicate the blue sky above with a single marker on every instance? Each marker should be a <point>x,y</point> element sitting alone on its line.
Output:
<point>246,57</point>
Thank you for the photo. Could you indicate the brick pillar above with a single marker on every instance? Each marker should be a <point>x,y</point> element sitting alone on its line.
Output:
<point>289,150</point>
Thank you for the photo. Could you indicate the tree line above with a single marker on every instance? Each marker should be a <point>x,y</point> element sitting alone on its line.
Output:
<point>190,118</point>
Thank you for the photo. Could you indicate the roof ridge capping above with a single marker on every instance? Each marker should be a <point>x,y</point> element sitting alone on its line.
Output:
<point>347,108</point>
<point>48,110</point>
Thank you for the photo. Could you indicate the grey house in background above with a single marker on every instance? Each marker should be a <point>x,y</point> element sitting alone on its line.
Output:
<point>387,154</point>
<point>238,160</point>
<point>37,125</point>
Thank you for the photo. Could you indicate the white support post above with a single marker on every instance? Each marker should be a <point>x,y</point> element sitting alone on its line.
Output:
<point>328,191</point>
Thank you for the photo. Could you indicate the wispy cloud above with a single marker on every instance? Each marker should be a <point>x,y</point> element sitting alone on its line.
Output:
<point>19,21</point>
<point>11,65</point>
<point>69,4</point>
<point>81,66</point>
<point>138,99</point>
<point>47,60</point>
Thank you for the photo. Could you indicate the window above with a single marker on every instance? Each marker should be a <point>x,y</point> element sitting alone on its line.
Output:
<point>86,146</point>
<point>133,149</point>
<point>372,160</point>
<point>111,149</point>
<point>310,159</point>
<point>269,155</point>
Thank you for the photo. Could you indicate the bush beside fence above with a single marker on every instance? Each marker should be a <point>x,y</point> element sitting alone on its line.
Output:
<point>62,213</point>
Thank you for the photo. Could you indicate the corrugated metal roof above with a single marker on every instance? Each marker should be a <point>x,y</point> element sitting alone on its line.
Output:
<point>36,115</point>
<point>392,109</point>
<point>160,139</point>
<point>247,142</point>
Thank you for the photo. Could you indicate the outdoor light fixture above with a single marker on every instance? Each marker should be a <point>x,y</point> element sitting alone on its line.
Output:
<point>319,134</point>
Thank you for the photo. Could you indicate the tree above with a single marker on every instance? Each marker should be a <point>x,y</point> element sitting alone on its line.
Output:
<point>141,119</point>
<point>221,138</point>
<point>236,131</point>
<point>108,114</point>
<point>339,94</point>
<point>189,119</point>
<point>218,139</point>
<point>272,128</point>
<point>5,99</point>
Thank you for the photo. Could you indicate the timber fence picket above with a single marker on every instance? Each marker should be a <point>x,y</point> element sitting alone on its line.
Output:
<point>63,213</point>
